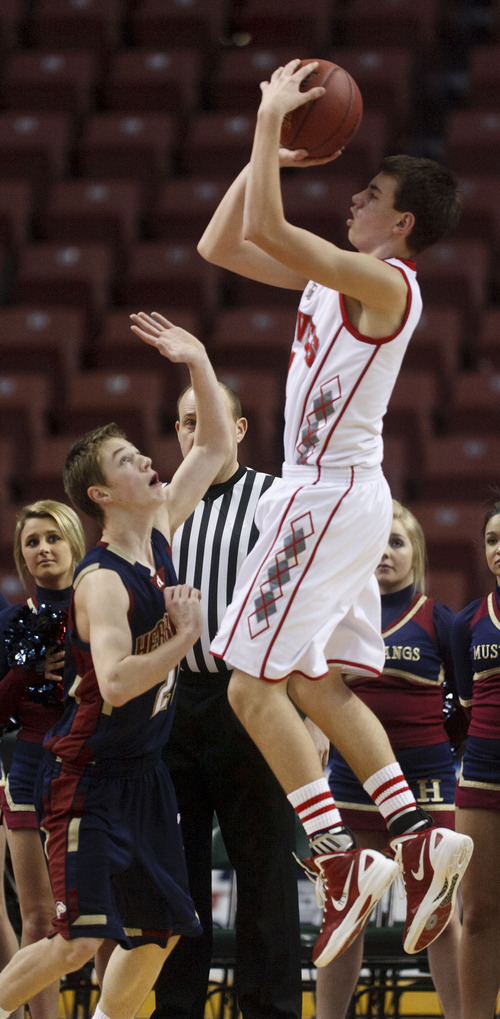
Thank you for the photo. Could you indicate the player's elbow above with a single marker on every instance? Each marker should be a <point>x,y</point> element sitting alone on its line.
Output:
<point>209,249</point>
<point>112,692</point>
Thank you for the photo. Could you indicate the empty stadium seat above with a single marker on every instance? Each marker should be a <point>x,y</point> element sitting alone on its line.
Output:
<point>80,275</point>
<point>251,334</point>
<point>34,147</point>
<point>308,27</point>
<point>218,143</point>
<point>101,211</point>
<point>183,207</point>
<point>136,146</point>
<point>450,587</point>
<point>384,76</point>
<point>141,80</point>
<point>461,467</point>
<point>473,141</point>
<point>483,90</point>
<point>457,271</point>
<point>25,403</point>
<point>178,23</point>
<point>436,345</point>
<point>43,339</point>
<point>386,23</point>
<point>410,413</point>
<point>488,340</point>
<point>452,531</point>
<point>162,275</point>
<point>395,465</point>
<point>45,479</point>
<point>11,18</point>
<point>133,399</point>
<point>475,408</point>
<point>16,207</point>
<point>119,349</point>
<point>52,81</point>
<point>480,217</point>
<point>84,24</point>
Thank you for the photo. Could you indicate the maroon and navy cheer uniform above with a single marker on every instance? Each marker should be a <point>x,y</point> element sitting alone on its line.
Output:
<point>17,795</point>
<point>476,653</point>
<point>408,699</point>
<point>106,800</point>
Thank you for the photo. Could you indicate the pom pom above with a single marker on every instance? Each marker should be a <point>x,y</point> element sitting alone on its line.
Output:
<point>31,634</point>
<point>27,639</point>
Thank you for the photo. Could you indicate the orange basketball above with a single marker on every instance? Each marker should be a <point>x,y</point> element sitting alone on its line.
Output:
<point>326,124</point>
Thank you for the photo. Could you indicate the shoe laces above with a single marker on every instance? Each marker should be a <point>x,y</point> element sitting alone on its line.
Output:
<point>316,879</point>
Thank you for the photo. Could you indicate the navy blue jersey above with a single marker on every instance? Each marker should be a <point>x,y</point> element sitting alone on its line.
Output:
<point>476,651</point>
<point>408,696</point>
<point>92,730</point>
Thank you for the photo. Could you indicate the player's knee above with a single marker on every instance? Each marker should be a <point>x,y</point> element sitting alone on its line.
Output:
<point>243,694</point>
<point>78,951</point>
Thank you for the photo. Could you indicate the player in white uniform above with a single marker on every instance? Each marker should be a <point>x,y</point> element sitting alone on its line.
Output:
<point>306,605</point>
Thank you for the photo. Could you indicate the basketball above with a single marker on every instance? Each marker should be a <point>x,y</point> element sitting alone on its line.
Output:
<point>326,124</point>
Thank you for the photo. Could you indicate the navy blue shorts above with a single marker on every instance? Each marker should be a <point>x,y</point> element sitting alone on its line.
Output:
<point>479,779</point>
<point>17,797</point>
<point>115,852</point>
<point>429,771</point>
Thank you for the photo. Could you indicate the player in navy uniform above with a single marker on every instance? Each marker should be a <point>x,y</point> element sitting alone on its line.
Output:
<point>306,605</point>
<point>106,800</point>
<point>408,699</point>
<point>476,653</point>
<point>215,766</point>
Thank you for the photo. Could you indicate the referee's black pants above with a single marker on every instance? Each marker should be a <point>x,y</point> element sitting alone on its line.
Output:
<point>215,766</point>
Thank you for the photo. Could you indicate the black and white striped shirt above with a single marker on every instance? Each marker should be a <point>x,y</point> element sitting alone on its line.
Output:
<point>209,549</point>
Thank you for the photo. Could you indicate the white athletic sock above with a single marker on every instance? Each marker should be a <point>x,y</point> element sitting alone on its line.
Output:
<point>98,1014</point>
<point>315,807</point>
<point>390,792</point>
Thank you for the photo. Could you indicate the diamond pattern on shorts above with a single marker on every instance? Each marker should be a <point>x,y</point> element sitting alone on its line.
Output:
<point>279,574</point>
<point>323,408</point>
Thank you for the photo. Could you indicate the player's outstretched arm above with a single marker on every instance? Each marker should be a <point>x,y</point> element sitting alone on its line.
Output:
<point>212,441</point>
<point>101,616</point>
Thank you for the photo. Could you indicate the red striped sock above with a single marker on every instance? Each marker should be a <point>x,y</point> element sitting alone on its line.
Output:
<point>315,807</point>
<point>390,792</point>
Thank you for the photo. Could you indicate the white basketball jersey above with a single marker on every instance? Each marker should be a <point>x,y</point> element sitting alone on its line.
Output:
<point>340,382</point>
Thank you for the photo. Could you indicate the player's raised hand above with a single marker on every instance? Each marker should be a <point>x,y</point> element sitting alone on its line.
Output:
<point>170,340</point>
<point>282,92</point>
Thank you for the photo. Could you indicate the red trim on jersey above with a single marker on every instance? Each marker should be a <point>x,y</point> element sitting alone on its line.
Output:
<point>379,341</point>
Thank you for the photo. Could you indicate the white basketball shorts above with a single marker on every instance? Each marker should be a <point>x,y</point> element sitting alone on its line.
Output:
<point>306,596</point>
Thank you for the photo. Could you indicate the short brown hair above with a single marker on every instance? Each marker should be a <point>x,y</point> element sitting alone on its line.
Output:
<point>428,190</point>
<point>64,517</point>
<point>83,468</point>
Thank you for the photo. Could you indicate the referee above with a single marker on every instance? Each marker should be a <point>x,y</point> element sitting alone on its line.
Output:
<point>215,766</point>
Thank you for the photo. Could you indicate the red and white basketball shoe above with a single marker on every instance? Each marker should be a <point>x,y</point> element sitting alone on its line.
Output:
<point>350,884</point>
<point>433,863</point>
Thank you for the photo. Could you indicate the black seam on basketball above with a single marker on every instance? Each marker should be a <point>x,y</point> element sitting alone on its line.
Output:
<point>309,106</point>
<point>346,114</point>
